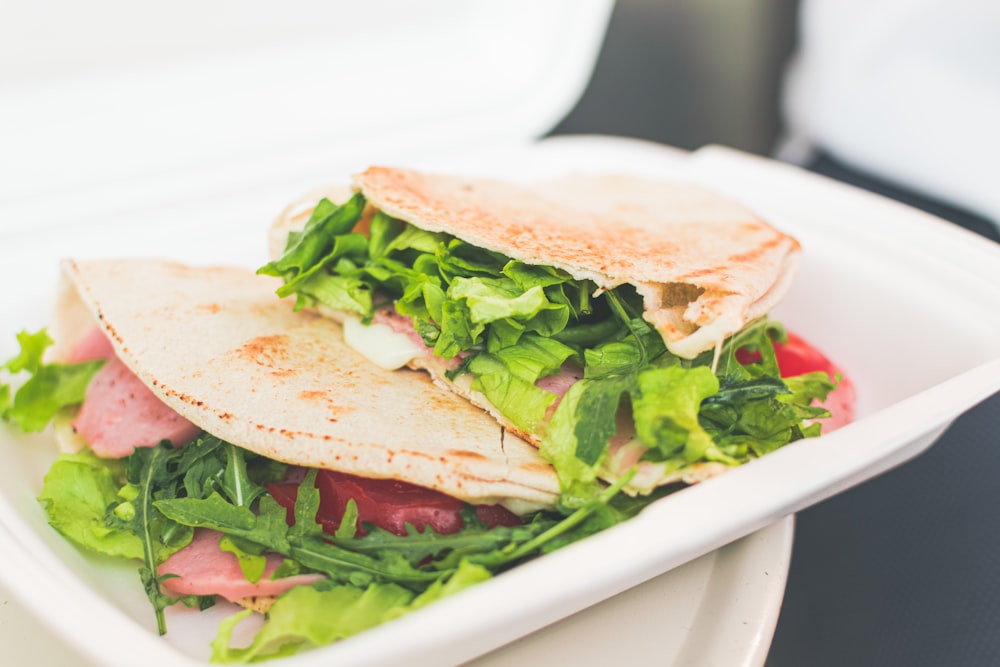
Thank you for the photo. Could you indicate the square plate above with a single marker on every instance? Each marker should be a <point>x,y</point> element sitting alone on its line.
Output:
<point>907,304</point>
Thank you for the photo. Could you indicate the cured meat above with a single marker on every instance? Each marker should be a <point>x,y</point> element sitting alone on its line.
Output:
<point>202,568</point>
<point>119,413</point>
<point>95,345</point>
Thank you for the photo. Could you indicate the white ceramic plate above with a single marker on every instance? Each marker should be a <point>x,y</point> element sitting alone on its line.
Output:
<point>907,304</point>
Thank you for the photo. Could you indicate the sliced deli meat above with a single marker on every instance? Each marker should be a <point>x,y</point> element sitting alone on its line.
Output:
<point>203,568</point>
<point>119,412</point>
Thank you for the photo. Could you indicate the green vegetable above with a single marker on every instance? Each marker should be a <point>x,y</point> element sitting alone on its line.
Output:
<point>516,324</point>
<point>50,387</point>
<point>147,506</point>
<point>77,492</point>
<point>315,616</point>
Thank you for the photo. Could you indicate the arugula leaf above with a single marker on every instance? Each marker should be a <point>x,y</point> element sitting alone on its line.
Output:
<point>110,506</point>
<point>594,515</point>
<point>303,542</point>
<point>527,276</point>
<point>475,541</point>
<point>236,482</point>
<point>148,470</point>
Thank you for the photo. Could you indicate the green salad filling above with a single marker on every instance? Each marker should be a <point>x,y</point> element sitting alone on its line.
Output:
<point>515,324</point>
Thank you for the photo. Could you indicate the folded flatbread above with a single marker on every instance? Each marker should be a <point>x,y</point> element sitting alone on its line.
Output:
<point>217,347</point>
<point>704,265</point>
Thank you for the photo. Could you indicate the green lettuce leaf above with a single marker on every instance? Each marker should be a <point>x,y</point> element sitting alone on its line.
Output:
<point>311,616</point>
<point>666,404</point>
<point>305,251</point>
<point>508,376</point>
<point>76,493</point>
<point>50,387</point>
<point>307,617</point>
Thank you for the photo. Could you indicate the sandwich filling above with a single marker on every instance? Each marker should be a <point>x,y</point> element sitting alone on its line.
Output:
<point>585,364</point>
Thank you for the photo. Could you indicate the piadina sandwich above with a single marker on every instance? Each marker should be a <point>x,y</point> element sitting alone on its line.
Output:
<point>606,319</point>
<point>239,450</point>
<point>592,345</point>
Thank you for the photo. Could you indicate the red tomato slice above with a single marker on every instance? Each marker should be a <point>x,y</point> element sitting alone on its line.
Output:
<point>796,357</point>
<point>388,504</point>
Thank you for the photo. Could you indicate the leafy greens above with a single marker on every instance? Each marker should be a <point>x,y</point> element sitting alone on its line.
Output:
<point>515,324</point>
<point>147,507</point>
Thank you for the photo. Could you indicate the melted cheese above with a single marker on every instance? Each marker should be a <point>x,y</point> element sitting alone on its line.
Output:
<point>381,345</point>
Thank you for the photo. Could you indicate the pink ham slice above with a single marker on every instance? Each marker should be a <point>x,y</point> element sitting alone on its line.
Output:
<point>204,569</point>
<point>840,402</point>
<point>119,413</point>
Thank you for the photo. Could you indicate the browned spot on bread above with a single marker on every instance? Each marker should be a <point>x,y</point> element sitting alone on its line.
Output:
<point>181,396</point>
<point>313,395</point>
<point>759,252</point>
<point>265,350</point>
<point>324,399</point>
<point>464,454</point>
<point>417,454</point>
<point>112,333</point>
<point>537,467</point>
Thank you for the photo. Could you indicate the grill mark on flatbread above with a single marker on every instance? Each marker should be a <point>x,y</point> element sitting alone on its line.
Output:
<point>465,454</point>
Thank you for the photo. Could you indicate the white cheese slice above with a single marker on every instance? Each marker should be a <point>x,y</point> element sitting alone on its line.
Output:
<point>381,345</point>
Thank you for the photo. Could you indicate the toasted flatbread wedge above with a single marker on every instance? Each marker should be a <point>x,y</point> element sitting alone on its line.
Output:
<point>216,346</point>
<point>703,266</point>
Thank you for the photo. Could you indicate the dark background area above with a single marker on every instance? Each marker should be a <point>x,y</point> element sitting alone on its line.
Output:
<point>690,72</point>
<point>903,569</point>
